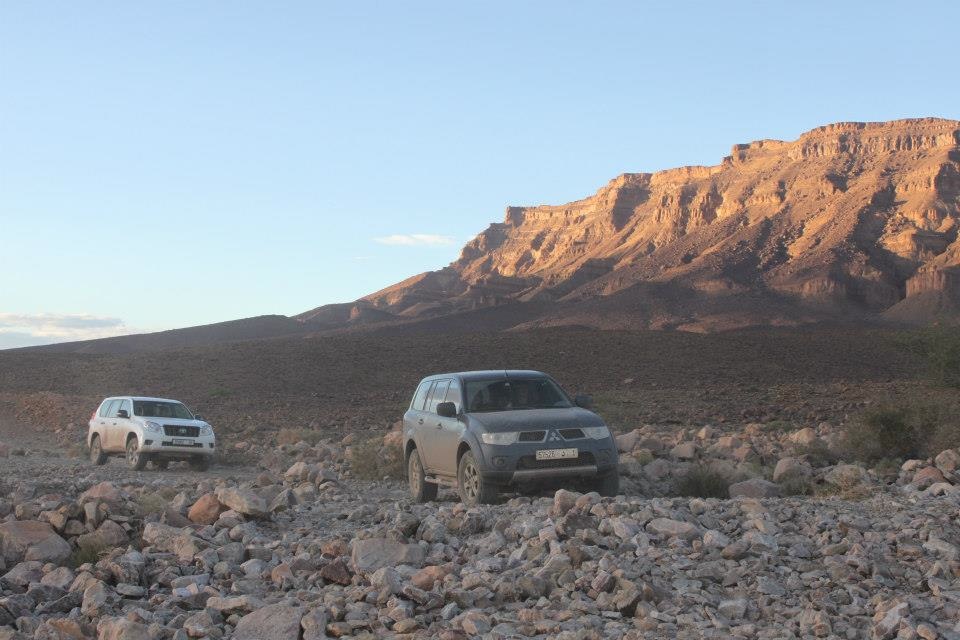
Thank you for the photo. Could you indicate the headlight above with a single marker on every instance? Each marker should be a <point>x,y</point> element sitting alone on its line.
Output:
<point>506,437</point>
<point>206,430</point>
<point>597,433</point>
<point>154,426</point>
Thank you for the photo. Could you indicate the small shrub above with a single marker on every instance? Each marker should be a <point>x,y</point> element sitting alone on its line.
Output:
<point>777,426</point>
<point>293,436</point>
<point>370,460</point>
<point>83,555</point>
<point>883,432</point>
<point>940,349</point>
<point>848,488</point>
<point>151,503</point>
<point>703,481</point>
<point>643,456</point>
<point>75,451</point>
<point>796,484</point>
<point>817,453</point>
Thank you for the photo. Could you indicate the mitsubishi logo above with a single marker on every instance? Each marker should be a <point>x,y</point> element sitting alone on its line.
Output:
<point>554,436</point>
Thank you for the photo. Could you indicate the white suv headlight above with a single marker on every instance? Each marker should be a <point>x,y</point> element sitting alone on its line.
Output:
<point>506,437</point>
<point>206,430</point>
<point>153,426</point>
<point>597,433</point>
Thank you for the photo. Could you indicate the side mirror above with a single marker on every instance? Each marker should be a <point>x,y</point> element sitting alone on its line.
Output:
<point>197,416</point>
<point>584,401</point>
<point>447,410</point>
<point>123,413</point>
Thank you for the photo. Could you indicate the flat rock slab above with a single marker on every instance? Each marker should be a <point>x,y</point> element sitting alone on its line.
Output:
<point>273,622</point>
<point>376,553</point>
<point>31,540</point>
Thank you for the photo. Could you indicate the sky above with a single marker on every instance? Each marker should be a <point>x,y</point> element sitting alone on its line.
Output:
<point>168,164</point>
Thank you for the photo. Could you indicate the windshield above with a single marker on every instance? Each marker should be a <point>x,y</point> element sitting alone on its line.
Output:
<point>154,409</point>
<point>514,394</point>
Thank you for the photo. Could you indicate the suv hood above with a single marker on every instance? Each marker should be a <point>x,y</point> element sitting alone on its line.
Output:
<point>522,420</point>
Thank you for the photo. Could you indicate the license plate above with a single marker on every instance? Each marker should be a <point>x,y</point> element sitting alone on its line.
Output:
<point>554,454</point>
<point>182,442</point>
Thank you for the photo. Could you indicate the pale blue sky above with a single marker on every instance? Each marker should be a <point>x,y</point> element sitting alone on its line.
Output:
<point>165,164</point>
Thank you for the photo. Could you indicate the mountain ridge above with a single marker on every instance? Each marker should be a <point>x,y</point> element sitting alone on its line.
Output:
<point>852,220</point>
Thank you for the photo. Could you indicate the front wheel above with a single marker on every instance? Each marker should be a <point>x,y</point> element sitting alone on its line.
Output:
<point>97,456</point>
<point>420,489</point>
<point>200,463</point>
<point>135,460</point>
<point>472,487</point>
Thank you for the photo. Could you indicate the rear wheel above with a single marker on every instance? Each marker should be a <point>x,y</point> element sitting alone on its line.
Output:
<point>420,489</point>
<point>472,487</point>
<point>97,456</point>
<point>135,460</point>
<point>200,463</point>
<point>608,485</point>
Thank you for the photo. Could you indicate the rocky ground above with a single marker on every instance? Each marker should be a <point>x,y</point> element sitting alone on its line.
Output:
<point>295,547</point>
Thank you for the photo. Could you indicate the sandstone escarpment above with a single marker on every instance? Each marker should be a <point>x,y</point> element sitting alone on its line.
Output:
<point>849,220</point>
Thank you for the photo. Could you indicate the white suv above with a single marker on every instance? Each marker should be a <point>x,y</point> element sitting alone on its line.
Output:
<point>149,430</point>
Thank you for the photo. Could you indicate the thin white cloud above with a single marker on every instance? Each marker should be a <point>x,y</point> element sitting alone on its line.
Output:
<point>415,240</point>
<point>25,329</point>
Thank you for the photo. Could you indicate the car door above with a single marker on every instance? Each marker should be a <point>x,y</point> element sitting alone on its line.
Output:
<point>122,426</point>
<point>109,423</point>
<point>428,441</point>
<point>415,417</point>
<point>446,436</point>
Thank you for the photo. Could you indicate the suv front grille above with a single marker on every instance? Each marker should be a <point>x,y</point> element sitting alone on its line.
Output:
<point>571,434</point>
<point>181,431</point>
<point>531,436</point>
<point>531,462</point>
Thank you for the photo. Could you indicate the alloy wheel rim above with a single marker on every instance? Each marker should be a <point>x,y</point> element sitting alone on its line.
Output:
<point>132,453</point>
<point>415,474</point>
<point>471,480</point>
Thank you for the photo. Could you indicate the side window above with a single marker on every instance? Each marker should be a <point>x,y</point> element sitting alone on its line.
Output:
<point>110,410</point>
<point>125,405</point>
<point>105,409</point>
<point>453,394</point>
<point>437,395</point>
<point>421,395</point>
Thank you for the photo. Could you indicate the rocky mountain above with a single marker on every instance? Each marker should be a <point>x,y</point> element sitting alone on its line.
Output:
<point>850,221</point>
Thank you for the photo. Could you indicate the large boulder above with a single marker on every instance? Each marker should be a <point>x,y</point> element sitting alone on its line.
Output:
<point>121,629</point>
<point>667,528</point>
<point>375,553</point>
<point>172,540</point>
<point>243,501</point>
<point>31,540</point>
<point>754,488</point>
<point>205,510</point>
<point>788,468</point>
<point>109,534</point>
<point>273,622</point>
<point>104,492</point>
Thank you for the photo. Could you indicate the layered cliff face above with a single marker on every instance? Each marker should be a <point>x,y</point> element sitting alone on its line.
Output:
<point>850,220</point>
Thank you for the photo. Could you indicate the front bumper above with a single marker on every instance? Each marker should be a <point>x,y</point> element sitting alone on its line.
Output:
<point>516,463</point>
<point>163,445</point>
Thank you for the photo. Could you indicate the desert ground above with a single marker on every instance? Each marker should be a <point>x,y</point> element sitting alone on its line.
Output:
<point>742,514</point>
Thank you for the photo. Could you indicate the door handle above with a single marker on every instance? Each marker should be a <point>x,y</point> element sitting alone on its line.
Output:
<point>439,425</point>
<point>420,421</point>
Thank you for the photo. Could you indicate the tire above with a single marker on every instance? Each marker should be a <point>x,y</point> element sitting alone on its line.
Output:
<point>135,460</point>
<point>97,456</point>
<point>160,464</point>
<point>608,486</point>
<point>200,463</point>
<point>471,486</point>
<point>420,489</point>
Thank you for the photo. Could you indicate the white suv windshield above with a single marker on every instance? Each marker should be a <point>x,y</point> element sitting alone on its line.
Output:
<point>514,394</point>
<point>153,409</point>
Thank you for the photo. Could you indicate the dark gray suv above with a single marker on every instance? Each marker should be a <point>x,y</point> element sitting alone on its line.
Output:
<point>484,431</point>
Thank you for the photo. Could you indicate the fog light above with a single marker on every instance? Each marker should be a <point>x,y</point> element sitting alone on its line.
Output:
<point>147,443</point>
<point>605,455</point>
<point>499,461</point>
